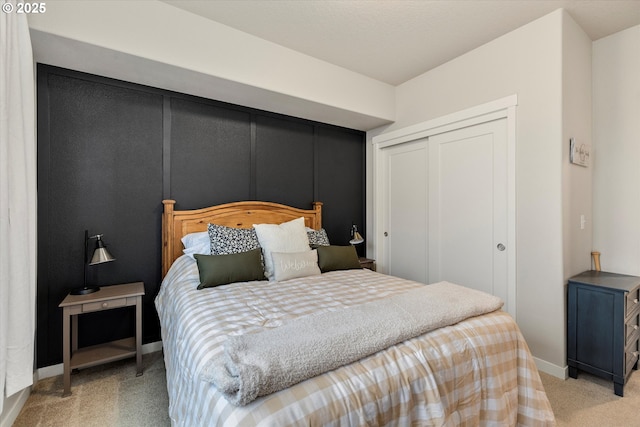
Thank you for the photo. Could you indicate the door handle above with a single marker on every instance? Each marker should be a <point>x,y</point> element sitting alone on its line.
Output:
<point>501,247</point>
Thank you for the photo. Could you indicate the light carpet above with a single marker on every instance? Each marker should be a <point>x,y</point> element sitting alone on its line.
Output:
<point>589,401</point>
<point>105,395</point>
<point>112,395</point>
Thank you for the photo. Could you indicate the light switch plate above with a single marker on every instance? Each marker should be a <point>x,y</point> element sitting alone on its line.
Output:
<point>580,154</point>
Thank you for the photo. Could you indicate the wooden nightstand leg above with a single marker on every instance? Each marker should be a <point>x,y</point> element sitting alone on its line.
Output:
<point>74,333</point>
<point>139,336</point>
<point>66,352</point>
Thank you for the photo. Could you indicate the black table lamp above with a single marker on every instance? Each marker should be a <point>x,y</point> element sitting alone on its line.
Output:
<point>100,255</point>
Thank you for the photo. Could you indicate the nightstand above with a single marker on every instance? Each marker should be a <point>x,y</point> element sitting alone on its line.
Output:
<point>367,263</point>
<point>603,326</point>
<point>107,298</point>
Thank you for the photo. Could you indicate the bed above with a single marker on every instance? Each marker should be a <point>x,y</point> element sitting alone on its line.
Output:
<point>478,371</point>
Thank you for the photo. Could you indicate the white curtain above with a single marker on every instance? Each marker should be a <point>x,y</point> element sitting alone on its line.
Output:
<point>17,203</point>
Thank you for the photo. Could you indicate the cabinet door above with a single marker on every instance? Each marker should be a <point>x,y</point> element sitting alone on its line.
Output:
<point>596,325</point>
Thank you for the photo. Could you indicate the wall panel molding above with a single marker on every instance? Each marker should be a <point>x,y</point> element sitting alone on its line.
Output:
<point>109,151</point>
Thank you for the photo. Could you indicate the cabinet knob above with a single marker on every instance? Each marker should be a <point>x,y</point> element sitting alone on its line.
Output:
<point>105,304</point>
<point>635,327</point>
<point>635,300</point>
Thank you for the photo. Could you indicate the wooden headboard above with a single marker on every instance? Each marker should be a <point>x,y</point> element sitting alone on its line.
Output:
<point>176,224</point>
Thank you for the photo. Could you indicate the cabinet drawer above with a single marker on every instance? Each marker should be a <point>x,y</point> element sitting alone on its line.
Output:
<point>104,305</point>
<point>632,325</point>
<point>633,298</point>
<point>630,360</point>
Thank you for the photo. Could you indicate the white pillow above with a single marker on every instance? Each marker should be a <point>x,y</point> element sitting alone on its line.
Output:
<point>289,265</point>
<point>196,243</point>
<point>286,237</point>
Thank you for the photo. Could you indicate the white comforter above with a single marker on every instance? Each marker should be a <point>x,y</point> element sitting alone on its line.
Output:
<point>478,372</point>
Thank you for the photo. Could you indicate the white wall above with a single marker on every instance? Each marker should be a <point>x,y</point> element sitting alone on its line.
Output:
<point>616,139</point>
<point>576,123</point>
<point>527,62</point>
<point>153,43</point>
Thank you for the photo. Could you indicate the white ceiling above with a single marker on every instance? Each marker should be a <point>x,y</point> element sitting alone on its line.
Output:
<point>396,40</point>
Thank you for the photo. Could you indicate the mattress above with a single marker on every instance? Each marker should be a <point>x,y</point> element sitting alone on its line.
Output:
<point>476,372</point>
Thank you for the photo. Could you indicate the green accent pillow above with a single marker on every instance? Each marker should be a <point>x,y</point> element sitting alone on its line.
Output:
<point>337,258</point>
<point>216,270</point>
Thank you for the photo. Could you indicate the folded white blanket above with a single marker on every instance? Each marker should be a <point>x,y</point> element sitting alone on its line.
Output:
<point>258,364</point>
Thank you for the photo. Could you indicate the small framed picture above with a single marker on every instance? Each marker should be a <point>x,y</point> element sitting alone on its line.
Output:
<point>580,153</point>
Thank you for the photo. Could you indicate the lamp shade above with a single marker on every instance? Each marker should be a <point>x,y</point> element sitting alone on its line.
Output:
<point>100,254</point>
<point>356,238</point>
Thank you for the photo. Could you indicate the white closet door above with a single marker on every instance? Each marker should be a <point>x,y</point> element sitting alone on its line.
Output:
<point>468,239</point>
<point>405,220</point>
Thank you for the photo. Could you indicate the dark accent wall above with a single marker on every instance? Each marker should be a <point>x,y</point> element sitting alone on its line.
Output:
<point>110,151</point>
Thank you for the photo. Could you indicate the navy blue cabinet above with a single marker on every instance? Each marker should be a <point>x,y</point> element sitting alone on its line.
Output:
<point>603,317</point>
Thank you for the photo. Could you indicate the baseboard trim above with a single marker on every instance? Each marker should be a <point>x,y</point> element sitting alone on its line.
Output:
<point>151,347</point>
<point>55,370</point>
<point>551,369</point>
<point>12,407</point>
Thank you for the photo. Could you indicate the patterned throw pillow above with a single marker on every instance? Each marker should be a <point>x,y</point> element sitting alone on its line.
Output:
<point>317,237</point>
<point>228,240</point>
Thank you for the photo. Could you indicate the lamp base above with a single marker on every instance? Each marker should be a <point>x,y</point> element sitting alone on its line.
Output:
<point>85,290</point>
